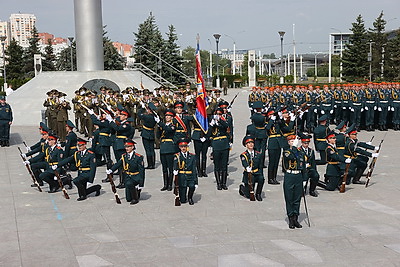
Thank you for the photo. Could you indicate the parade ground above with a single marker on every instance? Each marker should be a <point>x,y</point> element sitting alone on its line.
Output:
<point>360,227</point>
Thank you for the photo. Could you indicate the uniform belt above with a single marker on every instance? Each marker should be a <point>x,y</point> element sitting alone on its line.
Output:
<point>350,157</point>
<point>197,129</point>
<point>275,135</point>
<point>287,134</point>
<point>326,105</point>
<point>84,169</point>
<point>132,173</point>
<point>180,131</point>
<point>167,140</point>
<point>186,172</point>
<point>333,163</point>
<point>396,101</point>
<point>260,128</point>
<point>121,136</point>
<point>345,101</point>
<point>338,102</point>
<point>105,134</point>
<point>340,147</point>
<point>253,171</point>
<point>370,102</point>
<point>320,139</point>
<point>293,171</point>
<point>357,104</point>
<point>385,101</point>
<point>72,147</point>
<point>53,163</point>
<point>147,128</point>
<point>219,137</point>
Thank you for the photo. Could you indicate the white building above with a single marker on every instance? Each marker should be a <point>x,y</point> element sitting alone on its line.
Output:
<point>21,26</point>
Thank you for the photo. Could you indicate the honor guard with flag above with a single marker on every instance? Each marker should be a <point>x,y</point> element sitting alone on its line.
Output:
<point>185,171</point>
<point>253,170</point>
<point>85,161</point>
<point>133,167</point>
<point>182,122</point>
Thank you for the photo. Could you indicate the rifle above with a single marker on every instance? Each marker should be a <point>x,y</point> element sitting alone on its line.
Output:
<point>30,171</point>
<point>176,191</point>
<point>346,173</point>
<point>110,178</point>
<point>372,166</point>
<point>61,184</point>
<point>233,100</point>
<point>251,189</point>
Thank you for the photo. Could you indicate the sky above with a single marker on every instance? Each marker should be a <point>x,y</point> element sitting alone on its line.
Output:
<point>251,24</point>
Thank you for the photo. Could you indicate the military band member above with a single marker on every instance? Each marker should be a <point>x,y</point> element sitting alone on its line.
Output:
<point>62,108</point>
<point>253,165</point>
<point>85,161</point>
<point>185,169</point>
<point>133,167</point>
<point>311,172</point>
<point>220,147</point>
<point>294,166</point>
<point>6,119</point>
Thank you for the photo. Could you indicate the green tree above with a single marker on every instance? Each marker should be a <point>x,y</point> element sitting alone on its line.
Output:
<point>29,70</point>
<point>355,53</point>
<point>392,58</point>
<point>173,57</point>
<point>379,38</point>
<point>112,59</point>
<point>63,62</point>
<point>14,53</point>
<point>49,57</point>
<point>189,61</point>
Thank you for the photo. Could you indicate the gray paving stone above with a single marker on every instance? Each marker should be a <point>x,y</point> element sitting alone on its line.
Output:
<point>250,259</point>
<point>92,261</point>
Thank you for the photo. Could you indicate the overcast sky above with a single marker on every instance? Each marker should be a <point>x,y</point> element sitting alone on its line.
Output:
<point>253,24</point>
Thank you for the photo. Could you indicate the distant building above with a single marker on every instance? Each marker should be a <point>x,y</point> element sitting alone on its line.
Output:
<point>239,57</point>
<point>4,32</point>
<point>125,50</point>
<point>339,42</point>
<point>21,26</point>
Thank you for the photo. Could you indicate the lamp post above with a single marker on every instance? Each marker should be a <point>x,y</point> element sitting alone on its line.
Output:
<point>281,34</point>
<point>370,60</point>
<point>234,55</point>
<point>71,39</point>
<point>3,43</point>
<point>217,36</point>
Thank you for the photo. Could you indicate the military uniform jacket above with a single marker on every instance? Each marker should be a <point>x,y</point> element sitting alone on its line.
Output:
<point>6,112</point>
<point>104,131</point>
<point>357,99</point>
<point>353,149</point>
<point>62,111</point>
<point>384,98</point>
<point>370,97</point>
<point>229,120</point>
<point>186,167</point>
<point>320,133</point>
<point>167,133</point>
<point>39,149</point>
<point>148,125</point>
<point>133,167</point>
<point>255,162</point>
<point>70,144</point>
<point>182,124</point>
<point>197,131</point>
<point>258,121</point>
<point>334,159</point>
<point>274,134</point>
<point>50,155</point>
<point>309,156</point>
<point>294,160</point>
<point>85,163</point>
<point>123,131</point>
<point>38,144</point>
<point>219,135</point>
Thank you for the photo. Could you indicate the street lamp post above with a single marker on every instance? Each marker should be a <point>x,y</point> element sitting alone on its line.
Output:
<point>370,60</point>
<point>281,34</point>
<point>71,39</point>
<point>217,36</point>
<point>3,43</point>
<point>234,55</point>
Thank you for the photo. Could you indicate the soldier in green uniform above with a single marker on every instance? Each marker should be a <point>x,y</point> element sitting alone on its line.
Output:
<point>70,139</point>
<point>294,166</point>
<point>85,161</point>
<point>260,132</point>
<point>253,165</point>
<point>311,172</point>
<point>220,147</point>
<point>147,116</point>
<point>201,143</point>
<point>356,107</point>
<point>133,166</point>
<point>320,132</point>
<point>62,108</point>
<point>182,122</point>
<point>395,107</point>
<point>358,156</point>
<point>185,170</point>
<point>370,106</point>
<point>274,146</point>
<point>383,106</point>
<point>6,119</point>
<point>167,148</point>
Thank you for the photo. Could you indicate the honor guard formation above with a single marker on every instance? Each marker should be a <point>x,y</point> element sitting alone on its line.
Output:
<point>285,121</point>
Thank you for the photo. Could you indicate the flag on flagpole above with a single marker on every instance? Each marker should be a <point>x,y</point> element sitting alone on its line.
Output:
<point>201,101</point>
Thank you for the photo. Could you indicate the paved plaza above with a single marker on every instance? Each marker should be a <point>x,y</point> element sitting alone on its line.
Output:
<point>358,228</point>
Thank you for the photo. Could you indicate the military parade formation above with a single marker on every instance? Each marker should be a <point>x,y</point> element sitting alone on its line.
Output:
<point>284,120</point>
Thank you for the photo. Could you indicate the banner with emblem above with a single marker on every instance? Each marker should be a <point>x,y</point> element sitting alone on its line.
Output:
<point>201,101</point>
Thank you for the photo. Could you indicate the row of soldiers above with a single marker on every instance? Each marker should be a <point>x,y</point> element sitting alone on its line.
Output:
<point>369,106</point>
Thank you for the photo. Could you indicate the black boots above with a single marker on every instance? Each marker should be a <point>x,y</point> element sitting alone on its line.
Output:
<point>259,191</point>
<point>5,143</point>
<point>170,181</point>
<point>121,181</point>
<point>134,195</point>
<point>165,179</point>
<point>190,196</point>
<point>203,167</point>
<point>272,176</point>
<point>151,162</point>
<point>218,179</point>
<point>293,223</point>
<point>199,170</point>
<point>357,176</point>
<point>224,178</point>
<point>313,186</point>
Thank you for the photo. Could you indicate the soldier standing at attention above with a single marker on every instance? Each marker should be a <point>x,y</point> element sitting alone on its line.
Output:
<point>320,132</point>
<point>201,144</point>
<point>147,134</point>
<point>185,169</point>
<point>6,118</point>
<point>225,86</point>
<point>133,166</point>
<point>253,165</point>
<point>274,146</point>
<point>85,162</point>
<point>260,132</point>
<point>396,106</point>
<point>294,166</point>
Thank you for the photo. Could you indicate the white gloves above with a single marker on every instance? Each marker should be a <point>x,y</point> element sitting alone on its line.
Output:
<point>28,149</point>
<point>55,178</point>
<point>24,155</point>
<point>202,139</point>
<point>301,114</point>
<point>322,112</point>
<point>90,139</point>
<point>212,123</point>
<point>331,112</point>
<point>273,117</point>
<point>26,162</point>
<point>90,111</point>
<point>347,161</point>
<point>109,118</point>
<point>343,107</point>
<point>375,155</point>
<point>143,105</point>
<point>308,165</point>
<point>376,148</point>
<point>229,110</point>
<point>352,109</point>
<point>196,185</point>
<point>230,145</point>
<point>392,108</point>
<point>366,108</point>
<point>369,143</point>
<point>335,106</point>
<point>379,109</point>
<point>157,119</point>
<point>388,108</point>
<point>362,109</point>
<point>216,117</point>
<point>374,107</point>
<point>54,167</point>
<point>248,169</point>
<point>109,171</point>
<point>292,117</point>
<point>315,110</point>
<point>176,172</point>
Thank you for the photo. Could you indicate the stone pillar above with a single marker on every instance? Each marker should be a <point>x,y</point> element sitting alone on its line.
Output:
<point>252,68</point>
<point>89,35</point>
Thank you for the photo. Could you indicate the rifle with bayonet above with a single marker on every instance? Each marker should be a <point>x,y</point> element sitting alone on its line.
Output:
<point>30,171</point>
<point>346,173</point>
<point>110,178</point>
<point>233,100</point>
<point>176,191</point>
<point>61,184</point>
<point>372,165</point>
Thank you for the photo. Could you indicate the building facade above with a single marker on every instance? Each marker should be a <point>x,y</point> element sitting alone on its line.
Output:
<point>21,26</point>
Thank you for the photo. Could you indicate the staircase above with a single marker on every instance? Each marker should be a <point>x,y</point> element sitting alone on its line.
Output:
<point>152,75</point>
